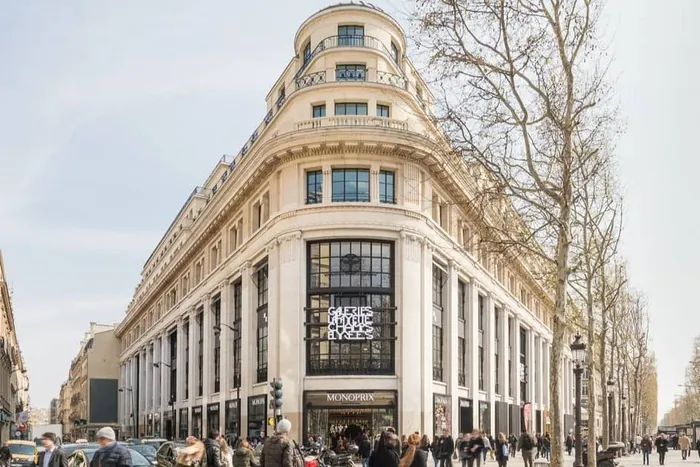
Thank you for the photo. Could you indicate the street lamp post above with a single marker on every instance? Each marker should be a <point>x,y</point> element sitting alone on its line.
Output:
<point>611,412</point>
<point>171,399</point>
<point>130,390</point>
<point>578,352</point>
<point>623,419</point>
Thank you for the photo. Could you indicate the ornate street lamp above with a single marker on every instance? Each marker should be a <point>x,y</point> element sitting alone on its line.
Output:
<point>611,428</point>
<point>578,352</point>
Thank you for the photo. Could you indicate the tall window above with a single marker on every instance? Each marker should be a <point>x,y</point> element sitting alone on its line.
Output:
<point>261,282</point>
<point>387,191</point>
<point>237,311</point>
<point>510,357</point>
<point>200,353</point>
<point>351,185</point>
<point>497,334</point>
<point>523,365</point>
<point>350,274</point>
<point>216,312</point>
<point>350,72</point>
<point>482,312</point>
<point>314,187</point>
<point>461,359</point>
<point>439,279</point>
<point>395,52</point>
<point>172,339</point>
<point>307,52</point>
<point>383,111</point>
<point>351,108</point>
<point>462,301</point>
<point>186,332</point>
<point>351,36</point>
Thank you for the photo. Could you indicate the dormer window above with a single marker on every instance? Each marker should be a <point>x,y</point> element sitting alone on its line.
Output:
<point>306,55</point>
<point>351,36</point>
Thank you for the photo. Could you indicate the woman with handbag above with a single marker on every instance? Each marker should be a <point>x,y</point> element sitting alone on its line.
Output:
<point>502,450</point>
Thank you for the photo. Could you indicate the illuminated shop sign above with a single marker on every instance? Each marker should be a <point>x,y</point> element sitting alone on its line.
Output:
<point>350,323</point>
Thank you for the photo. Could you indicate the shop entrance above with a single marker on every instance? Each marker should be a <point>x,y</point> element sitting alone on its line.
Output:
<point>341,417</point>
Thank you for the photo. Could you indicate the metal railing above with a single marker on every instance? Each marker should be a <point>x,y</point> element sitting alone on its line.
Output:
<point>352,120</point>
<point>312,79</point>
<point>333,42</point>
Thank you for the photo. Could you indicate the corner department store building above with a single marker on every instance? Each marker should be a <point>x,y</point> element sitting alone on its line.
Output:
<point>333,252</point>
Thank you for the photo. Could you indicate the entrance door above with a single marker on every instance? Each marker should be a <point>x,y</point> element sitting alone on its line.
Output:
<point>466,419</point>
<point>169,429</point>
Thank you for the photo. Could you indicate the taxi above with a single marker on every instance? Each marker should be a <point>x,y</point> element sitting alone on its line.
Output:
<point>24,453</point>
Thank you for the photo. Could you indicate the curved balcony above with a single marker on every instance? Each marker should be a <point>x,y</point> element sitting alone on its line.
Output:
<point>332,42</point>
<point>379,77</point>
<point>352,120</point>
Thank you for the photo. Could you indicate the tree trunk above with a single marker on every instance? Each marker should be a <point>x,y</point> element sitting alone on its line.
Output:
<point>591,360</point>
<point>559,324</point>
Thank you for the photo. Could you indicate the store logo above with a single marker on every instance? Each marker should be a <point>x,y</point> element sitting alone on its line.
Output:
<point>351,323</point>
<point>260,401</point>
<point>349,397</point>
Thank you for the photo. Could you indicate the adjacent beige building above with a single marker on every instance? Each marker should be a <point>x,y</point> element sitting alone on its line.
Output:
<point>89,398</point>
<point>335,251</point>
<point>14,382</point>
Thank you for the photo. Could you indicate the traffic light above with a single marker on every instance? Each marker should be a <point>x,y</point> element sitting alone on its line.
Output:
<point>276,396</point>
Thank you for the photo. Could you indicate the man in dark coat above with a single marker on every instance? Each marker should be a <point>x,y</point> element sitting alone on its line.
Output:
<point>447,447</point>
<point>213,451</point>
<point>52,456</point>
<point>110,454</point>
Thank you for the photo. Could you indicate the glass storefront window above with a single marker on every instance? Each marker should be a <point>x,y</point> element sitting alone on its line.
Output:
<point>184,421</point>
<point>197,421</point>
<point>350,273</point>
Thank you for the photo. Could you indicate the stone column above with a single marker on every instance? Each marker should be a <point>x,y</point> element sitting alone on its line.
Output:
<point>374,177</point>
<point>503,349</point>
<point>148,379</point>
<point>490,349</point>
<point>327,184</point>
<point>538,370</point>
<point>181,339</point>
<point>274,311</point>
<point>473,349</point>
<point>290,315</point>
<point>193,367</point>
<point>426,331</point>
<point>226,344</point>
<point>208,360</point>
<point>532,369</point>
<point>248,332</point>
<point>164,373</point>
<point>451,324</point>
<point>516,374</point>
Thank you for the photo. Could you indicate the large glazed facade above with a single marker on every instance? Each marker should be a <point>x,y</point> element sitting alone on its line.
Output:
<point>333,252</point>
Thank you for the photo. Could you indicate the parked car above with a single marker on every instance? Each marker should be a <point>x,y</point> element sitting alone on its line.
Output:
<point>82,457</point>
<point>146,450</point>
<point>24,453</point>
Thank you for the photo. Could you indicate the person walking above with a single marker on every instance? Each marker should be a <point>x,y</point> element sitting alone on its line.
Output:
<point>447,447</point>
<point>463,449</point>
<point>244,455</point>
<point>364,449</point>
<point>569,444</point>
<point>513,441</point>
<point>662,448</point>
<point>502,451</point>
<point>435,450</point>
<point>637,443</point>
<point>412,456</point>
<point>52,456</point>
<point>684,444</point>
<point>546,446</point>
<point>212,449</point>
<point>527,445</point>
<point>279,449</point>
<point>475,446</point>
<point>110,454</point>
<point>384,454</point>
<point>487,446</point>
<point>226,453</point>
<point>646,447</point>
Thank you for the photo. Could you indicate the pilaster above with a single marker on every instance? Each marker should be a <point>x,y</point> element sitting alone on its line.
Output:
<point>248,321</point>
<point>503,349</point>
<point>226,349</point>
<point>490,349</point>
<point>426,337</point>
<point>451,321</point>
<point>516,374</point>
<point>473,349</point>
<point>274,330</point>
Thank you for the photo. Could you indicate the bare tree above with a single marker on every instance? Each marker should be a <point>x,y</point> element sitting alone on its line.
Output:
<point>522,83</point>
<point>596,233</point>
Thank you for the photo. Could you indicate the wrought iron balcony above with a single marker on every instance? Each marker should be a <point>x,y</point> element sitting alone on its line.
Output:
<point>332,42</point>
<point>352,120</point>
<point>380,77</point>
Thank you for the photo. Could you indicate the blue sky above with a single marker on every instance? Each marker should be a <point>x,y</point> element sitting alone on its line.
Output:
<point>111,112</point>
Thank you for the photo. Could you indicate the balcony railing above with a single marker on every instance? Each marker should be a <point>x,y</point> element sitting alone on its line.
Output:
<point>312,79</point>
<point>333,42</point>
<point>352,120</point>
<point>380,77</point>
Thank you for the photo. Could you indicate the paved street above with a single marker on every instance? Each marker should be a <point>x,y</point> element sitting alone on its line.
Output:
<point>673,459</point>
